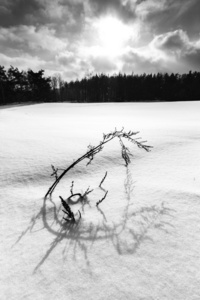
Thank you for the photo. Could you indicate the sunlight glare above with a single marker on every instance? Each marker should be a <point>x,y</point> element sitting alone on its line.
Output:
<point>112,34</point>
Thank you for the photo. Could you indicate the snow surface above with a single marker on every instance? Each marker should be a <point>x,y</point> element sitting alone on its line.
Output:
<point>144,241</point>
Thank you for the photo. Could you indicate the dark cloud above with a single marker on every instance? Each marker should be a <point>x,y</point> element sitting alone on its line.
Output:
<point>71,19</point>
<point>189,20</point>
<point>171,15</point>
<point>139,64</point>
<point>140,1</point>
<point>192,59</point>
<point>177,45</point>
<point>103,65</point>
<point>66,58</point>
<point>17,12</point>
<point>61,15</point>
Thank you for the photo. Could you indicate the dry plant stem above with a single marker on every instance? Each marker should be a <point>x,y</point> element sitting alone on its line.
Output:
<point>93,150</point>
<point>101,200</point>
<point>55,171</point>
<point>103,179</point>
<point>88,191</point>
<point>71,189</point>
<point>74,195</point>
<point>125,152</point>
<point>67,211</point>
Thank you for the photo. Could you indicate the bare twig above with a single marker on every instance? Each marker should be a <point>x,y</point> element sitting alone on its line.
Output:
<point>67,211</point>
<point>101,200</point>
<point>125,153</point>
<point>86,192</point>
<point>103,179</point>
<point>71,188</point>
<point>55,172</point>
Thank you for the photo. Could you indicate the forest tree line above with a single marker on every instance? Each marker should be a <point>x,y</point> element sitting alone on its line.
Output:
<point>25,86</point>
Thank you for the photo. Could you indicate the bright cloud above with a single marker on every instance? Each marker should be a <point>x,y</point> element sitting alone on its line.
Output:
<point>32,37</point>
<point>23,62</point>
<point>177,45</point>
<point>173,41</point>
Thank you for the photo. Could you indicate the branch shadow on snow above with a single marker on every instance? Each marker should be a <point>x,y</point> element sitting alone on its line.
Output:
<point>134,227</point>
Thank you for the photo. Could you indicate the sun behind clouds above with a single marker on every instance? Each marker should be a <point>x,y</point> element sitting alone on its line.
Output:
<point>113,34</point>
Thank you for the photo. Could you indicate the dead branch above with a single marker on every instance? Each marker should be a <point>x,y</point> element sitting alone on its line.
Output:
<point>93,150</point>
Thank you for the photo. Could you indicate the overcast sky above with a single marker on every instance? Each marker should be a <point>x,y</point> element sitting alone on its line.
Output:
<point>79,37</point>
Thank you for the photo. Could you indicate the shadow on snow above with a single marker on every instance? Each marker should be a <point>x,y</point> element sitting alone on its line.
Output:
<point>126,235</point>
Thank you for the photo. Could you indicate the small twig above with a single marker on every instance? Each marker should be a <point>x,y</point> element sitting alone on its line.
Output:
<point>103,179</point>
<point>71,188</point>
<point>125,152</point>
<point>87,192</point>
<point>55,172</point>
<point>92,151</point>
<point>101,200</point>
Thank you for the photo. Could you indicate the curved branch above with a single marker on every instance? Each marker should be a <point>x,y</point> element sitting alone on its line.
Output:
<point>93,150</point>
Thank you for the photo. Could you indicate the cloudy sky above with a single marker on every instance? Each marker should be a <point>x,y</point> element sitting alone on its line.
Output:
<point>79,37</point>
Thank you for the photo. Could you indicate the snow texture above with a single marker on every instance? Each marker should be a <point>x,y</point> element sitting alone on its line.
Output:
<point>141,244</point>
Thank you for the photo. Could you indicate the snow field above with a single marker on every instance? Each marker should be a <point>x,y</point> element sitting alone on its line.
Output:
<point>142,243</point>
